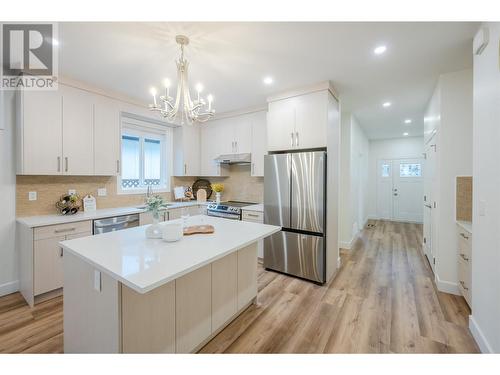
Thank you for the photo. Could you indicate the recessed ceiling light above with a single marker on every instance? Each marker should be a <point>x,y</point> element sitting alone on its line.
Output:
<point>408,121</point>
<point>268,80</point>
<point>380,50</point>
<point>405,134</point>
<point>386,104</point>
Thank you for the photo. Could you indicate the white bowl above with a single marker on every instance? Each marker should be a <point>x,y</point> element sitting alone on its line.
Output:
<point>172,232</point>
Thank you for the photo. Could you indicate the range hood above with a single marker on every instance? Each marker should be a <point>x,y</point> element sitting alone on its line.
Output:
<point>234,159</point>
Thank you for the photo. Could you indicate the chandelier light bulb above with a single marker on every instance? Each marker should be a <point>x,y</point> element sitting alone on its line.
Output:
<point>167,83</point>
<point>199,88</point>
<point>153,92</point>
<point>210,99</point>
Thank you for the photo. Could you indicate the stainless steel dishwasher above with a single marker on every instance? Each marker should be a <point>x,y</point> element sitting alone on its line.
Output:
<point>112,224</point>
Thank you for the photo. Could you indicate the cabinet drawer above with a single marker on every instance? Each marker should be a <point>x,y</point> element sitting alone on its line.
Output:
<point>62,230</point>
<point>253,216</point>
<point>464,279</point>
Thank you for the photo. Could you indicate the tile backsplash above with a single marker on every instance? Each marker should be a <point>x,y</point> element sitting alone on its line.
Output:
<point>239,185</point>
<point>464,198</point>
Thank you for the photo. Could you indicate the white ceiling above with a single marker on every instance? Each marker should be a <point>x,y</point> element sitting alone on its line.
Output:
<point>231,59</point>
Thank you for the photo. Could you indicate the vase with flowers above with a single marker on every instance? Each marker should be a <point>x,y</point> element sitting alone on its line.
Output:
<point>218,188</point>
<point>154,204</point>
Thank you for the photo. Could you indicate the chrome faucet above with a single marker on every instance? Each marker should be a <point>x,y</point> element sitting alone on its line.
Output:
<point>149,191</point>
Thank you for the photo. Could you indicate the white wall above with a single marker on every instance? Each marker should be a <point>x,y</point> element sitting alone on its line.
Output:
<point>485,319</point>
<point>454,158</point>
<point>353,179</point>
<point>398,148</point>
<point>8,258</point>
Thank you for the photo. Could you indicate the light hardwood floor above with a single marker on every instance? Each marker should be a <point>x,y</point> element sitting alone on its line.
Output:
<point>383,300</point>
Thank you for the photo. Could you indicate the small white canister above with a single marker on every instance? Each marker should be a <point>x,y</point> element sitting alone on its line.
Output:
<point>172,232</point>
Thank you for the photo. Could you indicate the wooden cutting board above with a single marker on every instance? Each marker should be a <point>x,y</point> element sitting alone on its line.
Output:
<point>198,229</point>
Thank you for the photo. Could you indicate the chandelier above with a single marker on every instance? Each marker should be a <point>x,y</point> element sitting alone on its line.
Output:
<point>183,108</point>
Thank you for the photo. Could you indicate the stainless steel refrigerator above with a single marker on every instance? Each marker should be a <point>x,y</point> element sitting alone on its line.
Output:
<point>295,199</point>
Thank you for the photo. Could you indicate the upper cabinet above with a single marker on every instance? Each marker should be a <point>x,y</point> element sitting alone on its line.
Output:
<point>211,147</point>
<point>39,132</point>
<point>187,150</point>
<point>106,137</point>
<point>67,132</point>
<point>259,143</point>
<point>298,122</point>
<point>78,131</point>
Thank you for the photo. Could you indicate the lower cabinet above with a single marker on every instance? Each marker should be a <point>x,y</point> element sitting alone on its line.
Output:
<point>193,309</point>
<point>47,265</point>
<point>465,264</point>
<point>224,290</point>
<point>247,275</point>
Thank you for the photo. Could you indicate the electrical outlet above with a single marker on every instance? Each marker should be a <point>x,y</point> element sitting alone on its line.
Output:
<point>71,192</point>
<point>32,196</point>
<point>102,192</point>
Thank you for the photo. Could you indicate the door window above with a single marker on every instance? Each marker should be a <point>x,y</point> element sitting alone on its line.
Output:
<point>410,170</point>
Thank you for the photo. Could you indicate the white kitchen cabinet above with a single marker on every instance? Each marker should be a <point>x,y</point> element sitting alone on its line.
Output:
<point>187,150</point>
<point>224,290</point>
<point>281,125</point>
<point>210,148</point>
<point>259,143</point>
<point>106,136</point>
<point>242,133</point>
<point>41,265</point>
<point>298,122</point>
<point>78,131</point>
<point>48,265</point>
<point>247,275</point>
<point>39,133</point>
<point>311,119</point>
<point>193,309</point>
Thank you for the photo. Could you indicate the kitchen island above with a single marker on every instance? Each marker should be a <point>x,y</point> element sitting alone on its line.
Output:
<point>124,293</point>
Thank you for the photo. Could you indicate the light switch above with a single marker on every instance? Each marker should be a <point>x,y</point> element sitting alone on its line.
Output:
<point>32,196</point>
<point>71,192</point>
<point>97,280</point>
<point>482,207</point>
<point>102,192</point>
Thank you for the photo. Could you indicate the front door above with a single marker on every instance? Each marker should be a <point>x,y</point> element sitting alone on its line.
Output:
<point>400,190</point>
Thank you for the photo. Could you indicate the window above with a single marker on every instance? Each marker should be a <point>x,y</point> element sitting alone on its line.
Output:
<point>386,170</point>
<point>146,157</point>
<point>410,170</point>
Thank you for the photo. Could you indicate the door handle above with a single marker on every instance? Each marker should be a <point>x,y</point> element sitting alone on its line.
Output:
<point>62,252</point>
<point>291,139</point>
<point>395,194</point>
<point>297,139</point>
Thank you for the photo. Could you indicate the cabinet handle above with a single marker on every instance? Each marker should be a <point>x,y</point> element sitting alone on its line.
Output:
<point>463,285</point>
<point>291,139</point>
<point>64,230</point>
<point>118,166</point>
<point>297,139</point>
<point>236,146</point>
<point>66,164</point>
<point>464,236</point>
<point>252,215</point>
<point>59,164</point>
<point>62,252</point>
<point>185,169</point>
<point>464,257</point>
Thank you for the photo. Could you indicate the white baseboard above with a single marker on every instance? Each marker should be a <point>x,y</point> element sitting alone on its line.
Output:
<point>478,335</point>
<point>8,288</point>
<point>375,217</point>
<point>447,286</point>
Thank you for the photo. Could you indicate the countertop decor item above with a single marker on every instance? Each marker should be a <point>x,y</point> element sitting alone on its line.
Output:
<point>68,204</point>
<point>188,193</point>
<point>153,205</point>
<point>89,203</point>
<point>202,184</point>
<point>172,232</point>
<point>201,196</point>
<point>183,108</point>
<point>218,188</point>
<point>198,229</point>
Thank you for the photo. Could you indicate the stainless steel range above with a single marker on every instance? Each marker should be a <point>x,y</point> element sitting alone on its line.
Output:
<point>228,210</point>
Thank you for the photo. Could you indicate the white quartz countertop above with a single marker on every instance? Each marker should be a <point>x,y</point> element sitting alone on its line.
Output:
<point>467,225</point>
<point>43,220</point>
<point>254,207</point>
<point>145,264</point>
